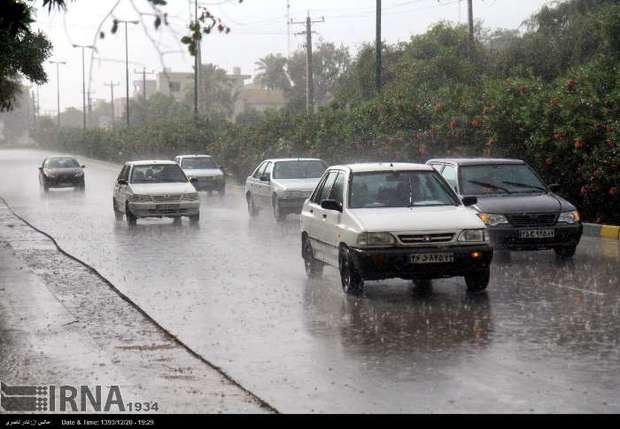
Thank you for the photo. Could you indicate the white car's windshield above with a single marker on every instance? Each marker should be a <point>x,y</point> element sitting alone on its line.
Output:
<point>299,170</point>
<point>199,164</point>
<point>499,179</point>
<point>144,174</point>
<point>399,189</point>
<point>61,163</point>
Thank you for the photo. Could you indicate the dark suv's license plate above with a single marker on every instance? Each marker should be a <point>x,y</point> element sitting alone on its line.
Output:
<point>537,233</point>
<point>168,207</point>
<point>433,258</point>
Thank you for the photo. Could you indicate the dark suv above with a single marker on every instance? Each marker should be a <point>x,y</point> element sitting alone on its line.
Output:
<point>520,211</point>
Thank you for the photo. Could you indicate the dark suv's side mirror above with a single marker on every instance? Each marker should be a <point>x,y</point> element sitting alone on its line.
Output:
<point>470,201</point>
<point>122,182</point>
<point>193,180</point>
<point>332,205</point>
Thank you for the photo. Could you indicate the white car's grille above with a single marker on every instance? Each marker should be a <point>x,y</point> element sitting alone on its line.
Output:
<point>426,238</point>
<point>167,198</point>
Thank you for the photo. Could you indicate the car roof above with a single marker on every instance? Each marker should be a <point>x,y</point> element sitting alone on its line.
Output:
<point>141,163</point>
<point>292,159</point>
<point>383,166</point>
<point>194,156</point>
<point>60,157</point>
<point>479,161</point>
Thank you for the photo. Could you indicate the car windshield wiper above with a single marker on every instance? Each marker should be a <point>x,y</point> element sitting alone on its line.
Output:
<point>525,185</point>
<point>489,185</point>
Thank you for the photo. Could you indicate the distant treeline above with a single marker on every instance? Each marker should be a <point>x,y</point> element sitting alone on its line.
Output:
<point>550,95</point>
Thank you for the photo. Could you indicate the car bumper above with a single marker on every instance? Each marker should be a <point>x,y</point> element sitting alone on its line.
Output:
<point>64,182</point>
<point>209,184</point>
<point>143,210</point>
<point>292,205</point>
<point>379,264</point>
<point>509,238</point>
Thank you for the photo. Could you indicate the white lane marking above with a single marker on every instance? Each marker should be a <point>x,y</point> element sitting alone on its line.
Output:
<point>577,289</point>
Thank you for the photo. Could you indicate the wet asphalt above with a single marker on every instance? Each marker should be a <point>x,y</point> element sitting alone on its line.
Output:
<point>545,338</point>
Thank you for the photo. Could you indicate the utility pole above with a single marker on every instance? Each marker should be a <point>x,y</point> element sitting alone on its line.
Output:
<point>288,27</point>
<point>197,64</point>
<point>83,47</point>
<point>144,73</point>
<point>112,85</point>
<point>309,69</point>
<point>58,64</point>
<point>378,61</point>
<point>470,14</point>
<point>127,65</point>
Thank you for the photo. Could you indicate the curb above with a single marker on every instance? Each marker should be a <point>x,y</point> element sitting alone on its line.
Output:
<point>601,231</point>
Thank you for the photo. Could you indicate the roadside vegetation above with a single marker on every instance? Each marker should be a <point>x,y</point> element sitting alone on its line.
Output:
<point>549,94</point>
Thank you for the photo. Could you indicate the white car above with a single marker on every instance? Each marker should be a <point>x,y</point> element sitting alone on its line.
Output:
<point>282,185</point>
<point>380,221</point>
<point>208,174</point>
<point>154,189</point>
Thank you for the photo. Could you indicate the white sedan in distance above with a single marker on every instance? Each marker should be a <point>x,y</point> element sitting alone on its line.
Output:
<point>382,221</point>
<point>282,185</point>
<point>208,174</point>
<point>155,189</point>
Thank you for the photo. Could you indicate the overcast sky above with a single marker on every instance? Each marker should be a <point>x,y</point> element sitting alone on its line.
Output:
<point>258,28</point>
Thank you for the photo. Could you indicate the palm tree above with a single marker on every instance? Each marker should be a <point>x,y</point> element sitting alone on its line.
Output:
<point>272,73</point>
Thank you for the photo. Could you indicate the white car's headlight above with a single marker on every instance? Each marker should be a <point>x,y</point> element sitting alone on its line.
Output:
<point>191,197</point>
<point>570,217</point>
<point>141,199</point>
<point>493,219</point>
<point>473,236</point>
<point>376,239</point>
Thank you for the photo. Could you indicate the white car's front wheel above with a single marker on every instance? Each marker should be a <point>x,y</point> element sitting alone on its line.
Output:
<point>252,209</point>
<point>352,281</point>
<point>313,267</point>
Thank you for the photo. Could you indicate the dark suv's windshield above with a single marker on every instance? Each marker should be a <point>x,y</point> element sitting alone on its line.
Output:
<point>299,170</point>
<point>400,189</point>
<point>499,179</point>
<point>199,164</point>
<point>62,163</point>
<point>143,174</point>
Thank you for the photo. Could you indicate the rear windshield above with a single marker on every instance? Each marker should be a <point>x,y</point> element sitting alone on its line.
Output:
<point>399,189</point>
<point>144,174</point>
<point>499,179</point>
<point>198,164</point>
<point>62,163</point>
<point>299,170</point>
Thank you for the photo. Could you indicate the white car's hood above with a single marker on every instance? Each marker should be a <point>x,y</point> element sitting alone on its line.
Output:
<point>306,185</point>
<point>425,219</point>
<point>210,172</point>
<point>162,188</point>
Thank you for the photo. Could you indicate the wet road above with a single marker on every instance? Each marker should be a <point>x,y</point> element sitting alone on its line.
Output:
<point>544,339</point>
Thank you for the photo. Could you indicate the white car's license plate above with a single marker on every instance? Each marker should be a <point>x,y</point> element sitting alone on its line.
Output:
<point>537,233</point>
<point>168,207</point>
<point>433,258</point>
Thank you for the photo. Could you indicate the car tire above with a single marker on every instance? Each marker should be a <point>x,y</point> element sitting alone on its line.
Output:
<point>314,268</point>
<point>194,220</point>
<point>46,187</point>
<point>565,252</point>
<point>131,219</point>
<point>478,281</point>
<point>252,210</point>
<point>422,285</point>
<point>82,187</point>
<point>118,215</point>
<point>352,281</point>
<point>277,211</point>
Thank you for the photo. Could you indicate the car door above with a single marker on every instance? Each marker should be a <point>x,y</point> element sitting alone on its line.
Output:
<point>264,187</point>
<point>322,239</point>
<point>332,228</point>
<point>250,183</point>
<point>121,190</point>
<point>310,215</point>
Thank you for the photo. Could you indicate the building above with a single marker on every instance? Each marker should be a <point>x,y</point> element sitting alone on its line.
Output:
<point>255,98</point>
<point>175,84</point>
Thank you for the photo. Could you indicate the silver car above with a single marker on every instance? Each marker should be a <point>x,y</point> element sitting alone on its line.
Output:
<point>154,189</point>
<point>208,174</point>
<point>282,185</point>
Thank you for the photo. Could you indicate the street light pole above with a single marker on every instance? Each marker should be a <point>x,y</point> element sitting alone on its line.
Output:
<point>127,65</point>
<point>84,80</point>
<point>58,64</point>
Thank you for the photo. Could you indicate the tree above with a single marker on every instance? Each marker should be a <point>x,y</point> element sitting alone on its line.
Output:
<point>329,64</point>
<point>216,92</point>
<point>23,51</point>
<point>272,73</point>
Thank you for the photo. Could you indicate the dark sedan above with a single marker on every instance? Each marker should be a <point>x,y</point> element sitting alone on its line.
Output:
<point>519,209</point>
<point>61,172</point>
